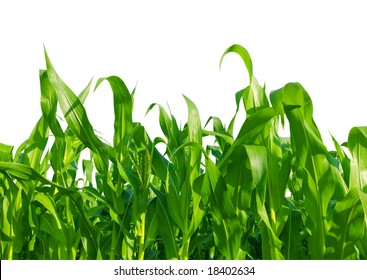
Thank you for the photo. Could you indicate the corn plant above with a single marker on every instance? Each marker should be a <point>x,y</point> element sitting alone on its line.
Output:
<point>246,195</point>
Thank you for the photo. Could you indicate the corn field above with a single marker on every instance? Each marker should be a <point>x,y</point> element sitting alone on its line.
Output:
<point>253,195</point>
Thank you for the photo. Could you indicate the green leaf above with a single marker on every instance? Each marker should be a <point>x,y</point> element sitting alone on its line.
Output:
<point>36,145</point>
<point>254,97</point>
<point>357,144</point>
<point>195,136</point>
<point>249,132</point>
<point>243,53</point>
<point>6,152</point>
<point>166,229</point>
<point>348,227</point>
<point>123,109</point>
<point>75,114</point>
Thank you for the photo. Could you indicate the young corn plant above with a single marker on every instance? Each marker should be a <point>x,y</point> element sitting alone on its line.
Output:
<point>250,195</point>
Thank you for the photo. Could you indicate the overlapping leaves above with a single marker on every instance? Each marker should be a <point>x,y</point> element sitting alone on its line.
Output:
<point>253,195</point>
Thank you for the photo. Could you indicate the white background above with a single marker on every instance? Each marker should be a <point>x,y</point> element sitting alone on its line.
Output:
<point>173,47</point>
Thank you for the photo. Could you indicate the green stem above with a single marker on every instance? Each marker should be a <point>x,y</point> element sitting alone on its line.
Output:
<point>141,232</point>
<point>185,248</point>
<point>113,243</point>
<point>11,233</point>
<point>70,226</point>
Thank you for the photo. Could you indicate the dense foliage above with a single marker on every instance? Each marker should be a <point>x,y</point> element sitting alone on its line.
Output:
<point>254,195</point>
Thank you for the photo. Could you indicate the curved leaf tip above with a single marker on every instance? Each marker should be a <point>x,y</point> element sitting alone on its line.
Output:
<point>243,53</point>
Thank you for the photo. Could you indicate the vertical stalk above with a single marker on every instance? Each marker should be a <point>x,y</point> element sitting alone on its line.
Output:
<point>113,243</point>
<point>143,167</point>
<point>141,234</point>
<point>185,247</point>
<point>70,225</point>
<point>10,254</point>
<point>11,207</point>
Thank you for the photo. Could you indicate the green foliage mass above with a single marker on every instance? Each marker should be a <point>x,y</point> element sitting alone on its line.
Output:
<point>254,195</point>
